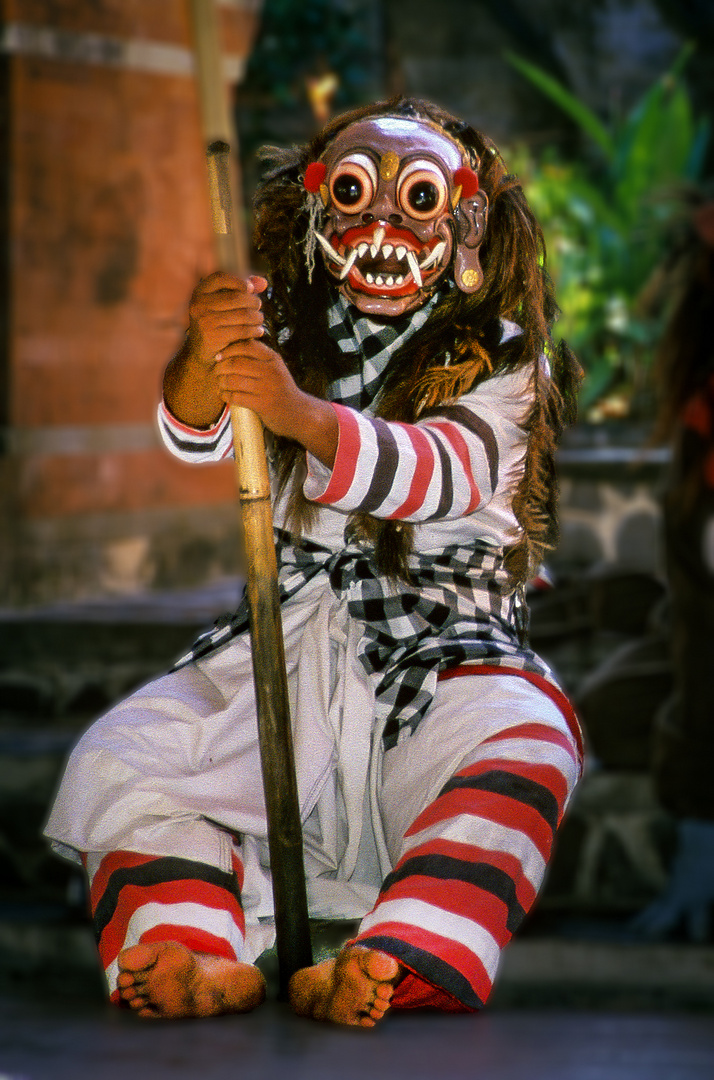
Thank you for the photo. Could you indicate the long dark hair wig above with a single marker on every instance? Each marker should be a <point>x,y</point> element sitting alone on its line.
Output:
<point>457,347</point>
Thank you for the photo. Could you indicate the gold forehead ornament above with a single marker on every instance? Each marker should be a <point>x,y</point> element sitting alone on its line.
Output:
<point>389,166</point>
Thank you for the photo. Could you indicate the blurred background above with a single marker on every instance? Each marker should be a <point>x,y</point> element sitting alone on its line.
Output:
<point>112,554</point>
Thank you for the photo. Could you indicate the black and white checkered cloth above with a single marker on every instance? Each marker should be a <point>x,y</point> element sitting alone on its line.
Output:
<point>460,609</point>
<point>372,344</point>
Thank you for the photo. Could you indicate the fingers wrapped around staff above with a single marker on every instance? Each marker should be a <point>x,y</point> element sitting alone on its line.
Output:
<point>252,375</point>
<point>224,309</point>
<point>225,343</point>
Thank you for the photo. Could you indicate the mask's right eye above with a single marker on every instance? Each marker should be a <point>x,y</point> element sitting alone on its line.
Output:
<point>353,184</point>
<point>422,190</point>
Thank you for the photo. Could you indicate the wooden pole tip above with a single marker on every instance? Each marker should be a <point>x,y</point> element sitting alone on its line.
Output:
<point>218,147</point>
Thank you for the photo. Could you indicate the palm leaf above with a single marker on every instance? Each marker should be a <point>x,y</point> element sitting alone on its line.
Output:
<point>584,117</point>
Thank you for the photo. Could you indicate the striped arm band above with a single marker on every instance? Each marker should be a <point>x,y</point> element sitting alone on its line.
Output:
<point>197,445</point>
<point>443,467</point>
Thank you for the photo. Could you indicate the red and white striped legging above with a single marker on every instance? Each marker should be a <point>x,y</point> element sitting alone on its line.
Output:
<point>470,805</point>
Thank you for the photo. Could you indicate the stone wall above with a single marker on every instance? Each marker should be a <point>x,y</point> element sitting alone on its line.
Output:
<point>108,226</point>
<point>603,627</point>
<point>611,483</point>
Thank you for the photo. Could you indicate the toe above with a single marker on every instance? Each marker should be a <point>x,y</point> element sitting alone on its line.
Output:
<point>380,966</point>
<point>149,1013</point>
<point>138,958</point>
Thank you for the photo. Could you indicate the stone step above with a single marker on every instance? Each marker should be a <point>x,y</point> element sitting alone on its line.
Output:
<point>73,660</point>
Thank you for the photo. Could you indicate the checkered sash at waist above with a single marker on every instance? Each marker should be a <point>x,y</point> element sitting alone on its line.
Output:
<point>460,608</point>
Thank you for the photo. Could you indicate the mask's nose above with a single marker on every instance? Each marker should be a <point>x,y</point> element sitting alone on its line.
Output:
<point>383,209</point>
<point>393,218</point>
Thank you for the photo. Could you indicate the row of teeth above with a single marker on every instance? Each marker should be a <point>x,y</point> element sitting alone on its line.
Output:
<point>379,280</point>
<point>378,247</point>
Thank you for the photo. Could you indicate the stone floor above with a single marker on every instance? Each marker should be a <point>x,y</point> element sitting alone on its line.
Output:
<point>79,1039</point>
<point>573,1001</point>
<point>571,1004</point>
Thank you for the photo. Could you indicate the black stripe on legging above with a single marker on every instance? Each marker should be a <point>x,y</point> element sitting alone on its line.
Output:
<point>158,872</point>
<point>446,496</point>
<point>446,868</point>
<point>502,782</point>
<point>432,968</point>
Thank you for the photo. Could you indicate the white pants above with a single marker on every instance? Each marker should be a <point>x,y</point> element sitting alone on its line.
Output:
<point>174,771</point>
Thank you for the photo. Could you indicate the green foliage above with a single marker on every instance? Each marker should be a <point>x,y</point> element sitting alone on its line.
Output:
<point>606,220</point>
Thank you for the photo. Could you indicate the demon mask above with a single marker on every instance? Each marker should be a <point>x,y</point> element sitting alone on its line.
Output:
<point>402,209</point>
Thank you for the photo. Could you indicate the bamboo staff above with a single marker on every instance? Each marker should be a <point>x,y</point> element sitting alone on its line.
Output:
<point>269,673</point>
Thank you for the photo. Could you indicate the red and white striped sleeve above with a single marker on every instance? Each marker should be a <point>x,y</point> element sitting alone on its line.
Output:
<point>197,445</point>
<point>446,465</point>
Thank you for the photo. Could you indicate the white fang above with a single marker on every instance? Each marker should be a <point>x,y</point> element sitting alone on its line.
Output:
<point>377,240</point>
<point>414,267</point>
<point>435,255</point>
<point>329,249</point>
<point>351,260</point>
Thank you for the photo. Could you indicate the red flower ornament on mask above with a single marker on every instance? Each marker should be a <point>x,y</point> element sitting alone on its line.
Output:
<point>467,180</point>
<point>315,175</point>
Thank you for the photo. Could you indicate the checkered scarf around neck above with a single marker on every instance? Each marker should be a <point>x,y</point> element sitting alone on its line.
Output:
<point>374,343</point>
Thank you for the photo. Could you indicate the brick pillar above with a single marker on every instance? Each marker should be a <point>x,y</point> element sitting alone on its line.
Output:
<point>104,214</point>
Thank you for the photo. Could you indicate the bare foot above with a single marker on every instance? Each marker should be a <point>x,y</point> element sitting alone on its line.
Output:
<point>166,979</point>
<point>355,988</point>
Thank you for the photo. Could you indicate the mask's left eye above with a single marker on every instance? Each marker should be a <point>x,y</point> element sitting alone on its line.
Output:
<point>353,184</point>
<point>422,190</point>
